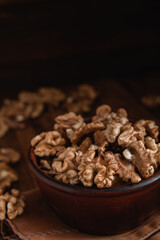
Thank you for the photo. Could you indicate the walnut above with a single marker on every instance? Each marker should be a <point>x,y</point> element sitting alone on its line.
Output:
<point>106,168</point>
<point>145,161</point>
<point>45,165</point>
<point>105,116</point>
<point>81,99</point>
<point>99,138</point>
<point>15,113</point>
<point>3,126</point>
<point>151,144</point>
<point>87,168</point>
<point>151,101</point>
<point>51,96</point>
<point>85,129</point>
<point>86,91</point>
<point>151,128</point>
<point>68,121</point>
<point>29,97</point>
<point>131,134</point>
<point>32,101</point>
<point>9,155</point>
<point>83,105</point>
<point>157,155</point>
<point>65,167</point>
<point>47,143</point>
<point>126,170</point>
<point>7,176</point>
<point>103,110</point>
<point>85,145</point>
<point>112,131</point>
<point>11,205</point>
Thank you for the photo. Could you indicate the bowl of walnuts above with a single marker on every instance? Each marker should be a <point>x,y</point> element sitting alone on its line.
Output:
<point>101,176</point>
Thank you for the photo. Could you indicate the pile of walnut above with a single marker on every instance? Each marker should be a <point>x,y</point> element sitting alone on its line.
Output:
<point>107,150</point>
<point>11,203</point>
<point>14,113</point>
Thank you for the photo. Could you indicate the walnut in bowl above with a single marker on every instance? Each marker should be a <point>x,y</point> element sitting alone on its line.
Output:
<point>105,171</point>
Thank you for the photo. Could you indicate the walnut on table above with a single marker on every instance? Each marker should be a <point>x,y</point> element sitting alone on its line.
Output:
<point>64,167</point>
<point>81,99</point>
<point>7,176</point>
<point>33,103</point>
<point>3,126</point>
<point>11,205</point>
<point>53,96</point>
<point>151,101</point>
<point>29,97</point>
<point>9,155</point>
<point>47,143</point>
<point>14,113</point>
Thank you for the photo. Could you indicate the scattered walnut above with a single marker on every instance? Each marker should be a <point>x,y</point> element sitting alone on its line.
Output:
<point>85,145</point>
<point>29,97</point>
<point>65,167</point>
<point>86,129</point>
<point>77,107</point>
<point>9,155</point>
<point>51,96</point>
<point>87,168</point>
<point>106,168</point>
<point>81,99</point>
<point>151,128</point>
<point>86,91</point>
<point>7,176</point>
<point>3,126</point>
<point>11,205</point>
<point>151,100</point>
<point>126,170</point>
<point>14,113</point>
<point>47,143</point>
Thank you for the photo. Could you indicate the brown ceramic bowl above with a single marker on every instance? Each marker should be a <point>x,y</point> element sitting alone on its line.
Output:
<point>100,211</point>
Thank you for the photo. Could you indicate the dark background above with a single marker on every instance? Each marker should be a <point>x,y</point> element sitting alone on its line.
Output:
<point>43,43</point>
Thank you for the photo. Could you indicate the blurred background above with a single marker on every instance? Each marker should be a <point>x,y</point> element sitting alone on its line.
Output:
<point>45,42</point>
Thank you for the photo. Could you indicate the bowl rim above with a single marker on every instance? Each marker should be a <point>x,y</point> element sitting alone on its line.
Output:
<point>80,190</point>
